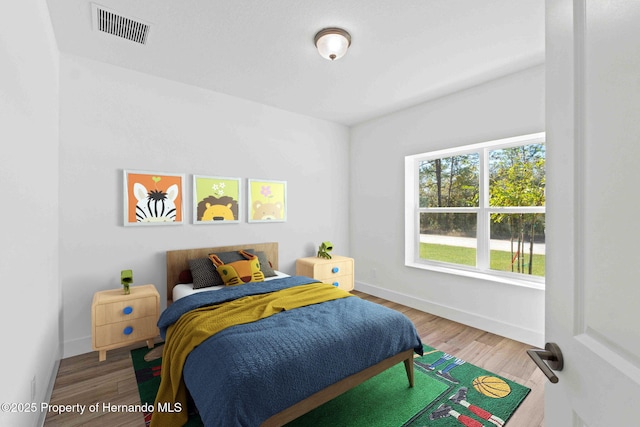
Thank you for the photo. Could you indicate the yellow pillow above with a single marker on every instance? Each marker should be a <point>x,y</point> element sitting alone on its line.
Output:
<point>239,272</point>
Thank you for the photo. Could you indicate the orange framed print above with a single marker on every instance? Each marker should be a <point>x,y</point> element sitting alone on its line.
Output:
<point>267,201</point>
<point>153,198</point>
<point>216,200</point>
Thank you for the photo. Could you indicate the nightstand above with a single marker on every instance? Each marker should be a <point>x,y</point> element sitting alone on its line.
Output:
<point>337,271</point>
<point>118,320</point>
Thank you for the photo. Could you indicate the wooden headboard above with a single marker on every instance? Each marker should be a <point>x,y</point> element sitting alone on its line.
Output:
<point>178,260</point>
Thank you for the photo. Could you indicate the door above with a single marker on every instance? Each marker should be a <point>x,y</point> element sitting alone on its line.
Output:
<point>593,211</point>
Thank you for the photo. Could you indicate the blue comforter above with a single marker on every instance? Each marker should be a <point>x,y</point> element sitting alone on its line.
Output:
<point>244,374</point>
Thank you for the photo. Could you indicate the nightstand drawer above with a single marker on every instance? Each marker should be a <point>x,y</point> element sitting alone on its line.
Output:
<point>337,268</point>
<point>342,282</point>
<point>132,330</point>
<point>125,310</point>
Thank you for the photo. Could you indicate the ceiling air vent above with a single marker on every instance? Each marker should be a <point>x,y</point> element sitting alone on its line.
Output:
<point>110,22</point>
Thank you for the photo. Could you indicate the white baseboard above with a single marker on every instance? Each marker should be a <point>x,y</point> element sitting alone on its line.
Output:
<point>49,391</point>
<point>495,326</point>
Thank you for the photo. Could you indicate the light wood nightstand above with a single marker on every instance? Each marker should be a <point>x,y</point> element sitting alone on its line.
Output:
<point>118,320</point>
<point>337,271</point>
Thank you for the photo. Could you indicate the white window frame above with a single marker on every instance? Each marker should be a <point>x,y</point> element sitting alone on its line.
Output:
<point>483,211</point>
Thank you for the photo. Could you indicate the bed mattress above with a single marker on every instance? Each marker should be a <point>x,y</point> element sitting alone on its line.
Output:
<point>185,289</point>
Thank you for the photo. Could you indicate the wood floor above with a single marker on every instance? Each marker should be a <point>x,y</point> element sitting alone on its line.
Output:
<point>85,381</point>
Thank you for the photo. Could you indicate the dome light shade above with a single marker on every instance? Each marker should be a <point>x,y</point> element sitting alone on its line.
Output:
<point>332,43</point>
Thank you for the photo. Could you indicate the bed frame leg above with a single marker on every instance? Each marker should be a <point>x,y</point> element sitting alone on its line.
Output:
<point>408,366</point>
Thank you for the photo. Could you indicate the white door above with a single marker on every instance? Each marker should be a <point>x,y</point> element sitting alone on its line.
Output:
<point>593,211</point>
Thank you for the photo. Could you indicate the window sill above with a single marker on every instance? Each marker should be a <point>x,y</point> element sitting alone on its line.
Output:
<point>498,278</point>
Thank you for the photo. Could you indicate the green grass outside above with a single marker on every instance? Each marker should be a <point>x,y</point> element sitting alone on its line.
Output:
<point>500,260</point>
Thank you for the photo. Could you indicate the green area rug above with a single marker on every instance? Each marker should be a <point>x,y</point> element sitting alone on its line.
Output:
<point>448,392</point>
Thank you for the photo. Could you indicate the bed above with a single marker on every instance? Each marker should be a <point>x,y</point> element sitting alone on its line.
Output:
<point>270,371</point>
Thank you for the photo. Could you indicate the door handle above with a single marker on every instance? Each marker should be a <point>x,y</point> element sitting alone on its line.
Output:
<point>553,355</point>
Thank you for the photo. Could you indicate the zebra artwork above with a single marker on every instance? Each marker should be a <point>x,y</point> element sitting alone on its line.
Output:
<point>155,205</point>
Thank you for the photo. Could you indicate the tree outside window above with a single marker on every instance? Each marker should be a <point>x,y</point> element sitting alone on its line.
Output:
<point>517,178</point>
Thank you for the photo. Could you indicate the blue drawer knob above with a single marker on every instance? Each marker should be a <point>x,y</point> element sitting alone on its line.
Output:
<point>335,284</point>
<point>335,269</point>
<point>128,330</point>
<point>128,310</point>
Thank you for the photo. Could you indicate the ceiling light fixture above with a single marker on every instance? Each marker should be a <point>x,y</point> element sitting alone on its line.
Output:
<point>332,43</point>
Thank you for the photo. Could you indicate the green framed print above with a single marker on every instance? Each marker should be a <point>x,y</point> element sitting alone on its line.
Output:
<point>267,201</point>
<point>216,200</point>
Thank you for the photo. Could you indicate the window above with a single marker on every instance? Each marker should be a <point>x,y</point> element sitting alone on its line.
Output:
<point>479,208</point>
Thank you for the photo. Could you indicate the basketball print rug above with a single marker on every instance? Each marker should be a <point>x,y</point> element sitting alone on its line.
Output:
<point>473,396</point>
<point>448,392</point>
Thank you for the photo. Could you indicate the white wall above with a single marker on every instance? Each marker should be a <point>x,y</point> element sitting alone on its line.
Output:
<point>510,106</point>
<point>30,303</point>
<point>113,119</point>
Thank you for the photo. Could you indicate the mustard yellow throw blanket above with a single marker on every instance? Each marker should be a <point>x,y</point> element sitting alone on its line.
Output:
<point>197,325</point>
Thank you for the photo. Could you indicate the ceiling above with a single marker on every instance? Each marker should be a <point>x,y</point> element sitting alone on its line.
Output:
<point>403,52</point>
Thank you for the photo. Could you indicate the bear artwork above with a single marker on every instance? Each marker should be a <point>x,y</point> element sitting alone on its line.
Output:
<point>267,211</point>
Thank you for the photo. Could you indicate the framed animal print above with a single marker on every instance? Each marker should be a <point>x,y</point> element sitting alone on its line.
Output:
<point>267,201</point>
<point>153,198</point>
<point>216,200</point>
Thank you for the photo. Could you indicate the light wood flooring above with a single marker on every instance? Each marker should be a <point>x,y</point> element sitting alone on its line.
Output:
<point>85,381</point>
